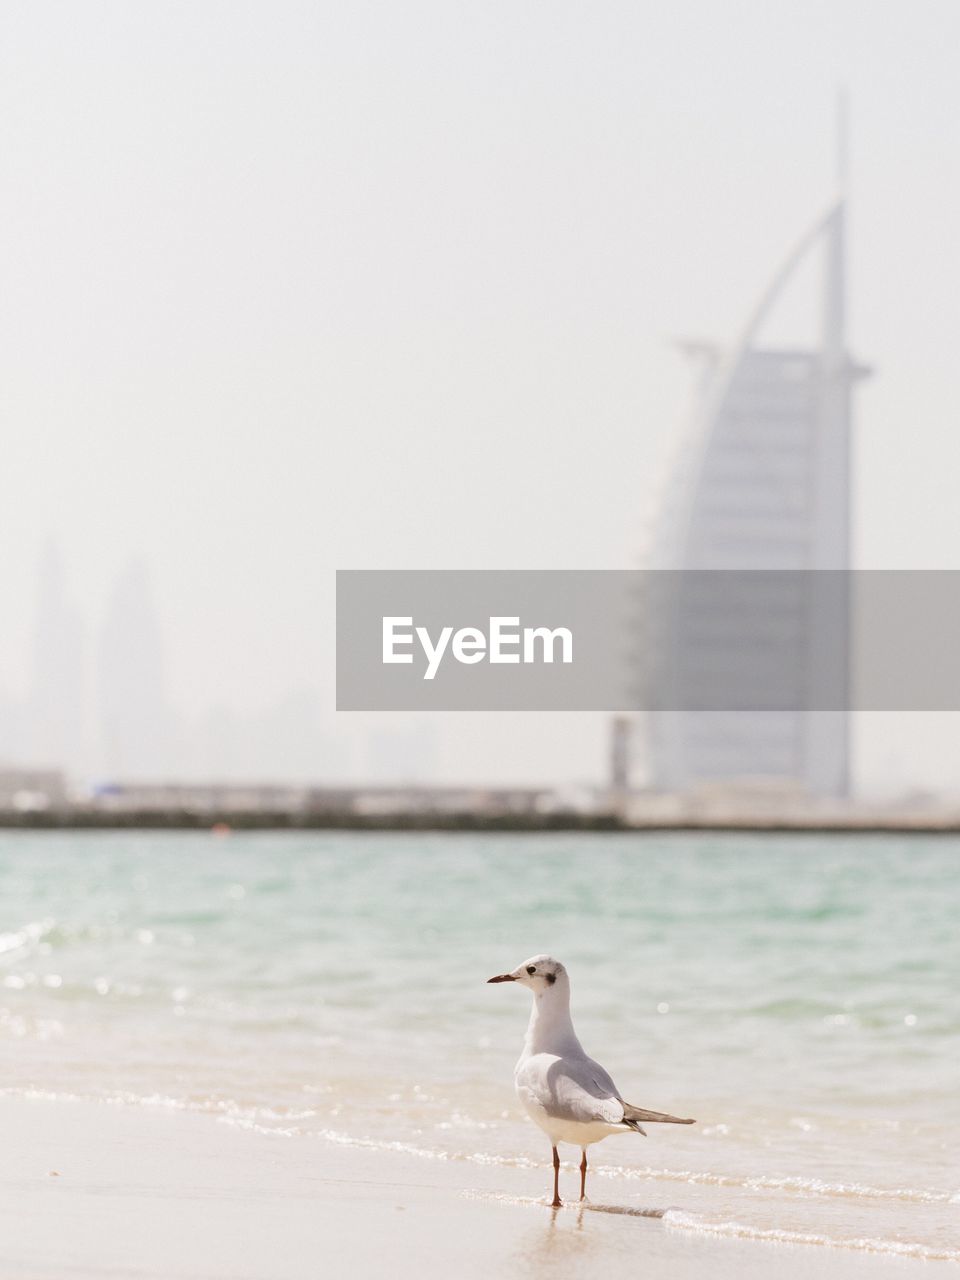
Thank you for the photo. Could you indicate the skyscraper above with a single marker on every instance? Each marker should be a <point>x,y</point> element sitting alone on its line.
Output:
<point>55,708</point>
<point>136,722</point>
<point>765,484</point>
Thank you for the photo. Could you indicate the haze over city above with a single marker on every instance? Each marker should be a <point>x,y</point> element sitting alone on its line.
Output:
<point>369,291</point>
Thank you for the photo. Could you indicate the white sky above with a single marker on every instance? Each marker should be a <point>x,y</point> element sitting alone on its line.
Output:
<point>290,287</point>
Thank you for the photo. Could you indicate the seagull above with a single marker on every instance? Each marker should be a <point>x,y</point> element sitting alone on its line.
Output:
<point>571,1097</point>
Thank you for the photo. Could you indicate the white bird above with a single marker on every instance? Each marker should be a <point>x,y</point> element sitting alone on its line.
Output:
<point>571,1097</point>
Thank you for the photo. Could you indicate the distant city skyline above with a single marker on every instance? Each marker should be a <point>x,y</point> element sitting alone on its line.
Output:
<point>99,708</point>
<point>375,289</point>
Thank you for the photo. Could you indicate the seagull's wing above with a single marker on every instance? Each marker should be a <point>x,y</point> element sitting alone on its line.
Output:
<point>575,1089</point>
<point>631,1114</point>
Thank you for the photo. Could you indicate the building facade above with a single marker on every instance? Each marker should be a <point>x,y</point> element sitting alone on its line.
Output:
<point>764,484</point>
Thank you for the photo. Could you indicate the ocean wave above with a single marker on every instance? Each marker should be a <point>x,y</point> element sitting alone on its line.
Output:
<point>288,1123</point>
<point>243,1115</point>
<point>760,1182</point>
<point>35,931</point>
<point>680,1220</point>
<point>807,1186</point>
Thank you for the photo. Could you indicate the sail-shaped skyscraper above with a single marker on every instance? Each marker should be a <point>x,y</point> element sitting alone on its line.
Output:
<point>764,484</point>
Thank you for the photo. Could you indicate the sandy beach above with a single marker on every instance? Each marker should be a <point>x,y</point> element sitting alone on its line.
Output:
<point>100,1190</point>
<point>207,1073</point>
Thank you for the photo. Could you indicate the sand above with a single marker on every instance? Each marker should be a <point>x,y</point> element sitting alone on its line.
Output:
<point>101,1190</point>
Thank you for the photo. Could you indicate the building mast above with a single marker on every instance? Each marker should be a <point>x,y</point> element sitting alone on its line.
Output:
<point>831,548</point>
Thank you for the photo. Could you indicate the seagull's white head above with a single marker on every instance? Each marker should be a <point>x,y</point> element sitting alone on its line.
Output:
<point>539,973</point>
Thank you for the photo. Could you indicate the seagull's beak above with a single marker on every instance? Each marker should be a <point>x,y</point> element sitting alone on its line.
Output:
<point>503,977</point>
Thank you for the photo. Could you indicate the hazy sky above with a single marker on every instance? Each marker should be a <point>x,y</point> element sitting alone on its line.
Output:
<point>290,287</point>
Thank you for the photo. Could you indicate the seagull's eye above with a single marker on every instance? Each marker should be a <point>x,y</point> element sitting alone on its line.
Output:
<point>531,969</point>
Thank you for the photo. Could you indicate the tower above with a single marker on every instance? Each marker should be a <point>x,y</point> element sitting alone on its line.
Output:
<point>764,484</point>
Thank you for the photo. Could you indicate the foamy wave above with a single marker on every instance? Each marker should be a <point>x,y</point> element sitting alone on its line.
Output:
<point>222,1108</point>
<point>682,1221</point>
<point>252,1124</point>
<point>288,1124</point>
<point>806,1186</point>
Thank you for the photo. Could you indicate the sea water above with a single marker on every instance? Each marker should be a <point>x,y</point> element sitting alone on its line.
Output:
<point>799,995</point>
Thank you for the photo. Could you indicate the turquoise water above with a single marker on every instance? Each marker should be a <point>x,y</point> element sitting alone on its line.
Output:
<point>799,995</point>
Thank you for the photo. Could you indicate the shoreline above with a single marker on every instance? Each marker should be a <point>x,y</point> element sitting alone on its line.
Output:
<point>224,822</point>
<point>105,1190</point>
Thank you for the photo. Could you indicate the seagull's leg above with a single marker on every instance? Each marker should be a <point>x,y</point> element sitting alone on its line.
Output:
<point>557,1202</point>
<point>583,1174</point>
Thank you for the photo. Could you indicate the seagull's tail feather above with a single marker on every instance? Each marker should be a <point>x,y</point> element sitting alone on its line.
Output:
<point>632,1124</point>
<point>633,1114</point>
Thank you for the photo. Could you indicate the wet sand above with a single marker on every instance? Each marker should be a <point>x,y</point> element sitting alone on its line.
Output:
<point>101,1190</point>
